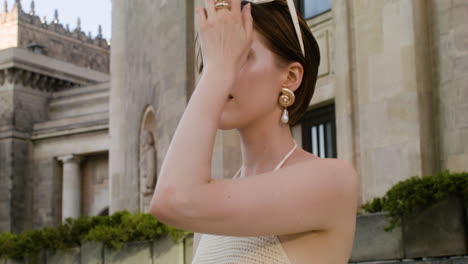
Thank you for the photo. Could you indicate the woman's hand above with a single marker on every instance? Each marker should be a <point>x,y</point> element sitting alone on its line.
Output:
<point>226,35</point>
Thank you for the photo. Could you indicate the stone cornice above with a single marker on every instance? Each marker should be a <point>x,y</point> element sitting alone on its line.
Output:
<point>70,132</point>
<point>8,132</point>
<point>19,66</point>
<point>71,126</point>
<point>32,79</point>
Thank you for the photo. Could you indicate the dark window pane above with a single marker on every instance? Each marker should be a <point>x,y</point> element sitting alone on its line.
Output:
<point>319,132</point>
<point>329,138</point>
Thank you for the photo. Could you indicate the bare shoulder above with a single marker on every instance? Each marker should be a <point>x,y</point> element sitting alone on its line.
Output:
<point>336,169</point>
<point>342,167</point>
<point>345,172</point>
<point>340,173</point>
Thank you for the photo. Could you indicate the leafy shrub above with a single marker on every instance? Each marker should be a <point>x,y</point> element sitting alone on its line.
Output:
<point>112,230</point>
<point>411,196</point>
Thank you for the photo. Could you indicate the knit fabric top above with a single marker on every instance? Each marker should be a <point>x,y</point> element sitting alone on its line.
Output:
<point>214,249</point>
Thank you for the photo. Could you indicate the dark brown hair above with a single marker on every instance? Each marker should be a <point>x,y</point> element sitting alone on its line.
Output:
<point>273,22</point>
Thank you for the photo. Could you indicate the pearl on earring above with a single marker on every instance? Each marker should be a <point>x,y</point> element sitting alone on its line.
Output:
<point>285,116</point>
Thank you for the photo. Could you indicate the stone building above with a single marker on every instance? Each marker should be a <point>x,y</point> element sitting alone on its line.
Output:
<point>391,99</point>
<point>54,90</point>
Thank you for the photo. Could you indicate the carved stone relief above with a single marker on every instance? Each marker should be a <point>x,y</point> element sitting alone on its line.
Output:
<point>147,158</point>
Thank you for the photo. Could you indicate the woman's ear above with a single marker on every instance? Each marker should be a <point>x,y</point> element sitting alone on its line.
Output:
<point>294,74</point>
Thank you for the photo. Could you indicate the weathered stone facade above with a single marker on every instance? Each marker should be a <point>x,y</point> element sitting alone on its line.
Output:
<point>20,29</point>
<point>41,93</point>
<point>395,71</point>
<point>149,70</point>
<point>380,67</point>
<point>449,50</point>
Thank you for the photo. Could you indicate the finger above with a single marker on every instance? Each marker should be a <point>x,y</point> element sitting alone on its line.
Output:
<point>201,17</point>
<point>210,8</point>
<point>247,19</point>
<point>236,7</point>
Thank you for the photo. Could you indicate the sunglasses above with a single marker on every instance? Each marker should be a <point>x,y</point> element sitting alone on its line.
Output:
<point>292,10</point>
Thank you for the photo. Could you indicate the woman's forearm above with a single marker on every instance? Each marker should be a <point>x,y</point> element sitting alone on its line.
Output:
<point>187,163</point>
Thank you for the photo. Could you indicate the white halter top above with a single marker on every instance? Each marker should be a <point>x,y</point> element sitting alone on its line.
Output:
<point>214,249</point>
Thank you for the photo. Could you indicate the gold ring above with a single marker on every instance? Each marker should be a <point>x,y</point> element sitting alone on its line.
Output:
<point>221,4</point>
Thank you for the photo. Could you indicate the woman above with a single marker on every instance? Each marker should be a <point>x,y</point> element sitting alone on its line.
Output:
<point>260,67</point>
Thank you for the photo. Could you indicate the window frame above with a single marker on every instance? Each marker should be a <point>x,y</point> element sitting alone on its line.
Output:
<point>316,117</point>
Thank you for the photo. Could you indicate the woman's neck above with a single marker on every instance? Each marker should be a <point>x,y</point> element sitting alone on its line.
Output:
<point>264,146</point>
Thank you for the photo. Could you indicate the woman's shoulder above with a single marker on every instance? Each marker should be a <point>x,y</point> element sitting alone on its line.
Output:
<point>341,167</point>
<point>305,156</point>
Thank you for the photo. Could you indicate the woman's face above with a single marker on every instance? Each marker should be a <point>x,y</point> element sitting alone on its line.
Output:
<point>257,89</point>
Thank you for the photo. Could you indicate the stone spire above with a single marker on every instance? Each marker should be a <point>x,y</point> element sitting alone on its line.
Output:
<point>67,27</point>
<point>32,12</point>
<point>78,24</point>
<point>18,4</point>
<point>5,6</point>
<point>100,31</point>
<point>89,35</point>
<point>56,17</point>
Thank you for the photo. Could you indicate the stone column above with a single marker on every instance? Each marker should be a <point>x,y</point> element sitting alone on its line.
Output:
<point>392,92</point>
<point>346,109</point>
<point>71,186</point>
<point>158,66</point>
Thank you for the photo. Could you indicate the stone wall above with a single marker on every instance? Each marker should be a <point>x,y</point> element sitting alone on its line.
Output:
<point>78,52</point>
<point>158,251</point>
<point>20,29</point>
<point>149,67</point>
<point>8,30</point>
<point>5,187</point>
<point>77,126</point>
<point>95,184</point>
<point>393,93</point>
<point>22,107</point>
<point>46,206</point>
<point>6,104</point>
<point>450,59</point>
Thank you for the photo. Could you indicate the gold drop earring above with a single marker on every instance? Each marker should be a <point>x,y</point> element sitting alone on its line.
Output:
<point>286,99</point>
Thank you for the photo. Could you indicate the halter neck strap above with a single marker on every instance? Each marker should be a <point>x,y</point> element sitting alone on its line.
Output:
<point>278,165</point>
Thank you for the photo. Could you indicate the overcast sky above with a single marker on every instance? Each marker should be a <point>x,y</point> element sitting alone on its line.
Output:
<point>91,12</point>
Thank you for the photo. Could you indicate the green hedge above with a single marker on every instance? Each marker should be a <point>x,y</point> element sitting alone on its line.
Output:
<point>112,230</point>
<point>411,196</point>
